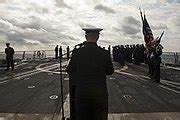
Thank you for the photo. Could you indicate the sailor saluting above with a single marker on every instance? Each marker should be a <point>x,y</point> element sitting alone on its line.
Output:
<point>90,64</point>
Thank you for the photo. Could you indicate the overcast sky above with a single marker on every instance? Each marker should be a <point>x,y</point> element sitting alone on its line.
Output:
<point>42,24</point>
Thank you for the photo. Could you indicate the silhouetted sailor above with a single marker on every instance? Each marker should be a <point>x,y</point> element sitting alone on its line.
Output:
<point>130,54</point>
<point>9,56</point>
<point>157,61</point>
<point>121,55</point>
<point>109,49</point>
<point>144,54</point>
<point>68,54</point>
<point>23,56</point>
<point>137,55</point>
<point>114,51</point>
<point>60,52</point>
<point>91,64</point>
<point>56,52</point>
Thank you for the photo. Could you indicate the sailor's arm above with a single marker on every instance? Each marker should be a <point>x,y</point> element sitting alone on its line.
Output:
<point>72,63</point>
<point>6,50</point>
<point>13,51</point>
<point>109,66</point>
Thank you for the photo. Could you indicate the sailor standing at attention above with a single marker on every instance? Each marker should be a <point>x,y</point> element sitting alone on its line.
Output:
<point>9,56</point>
<point>91,64</point>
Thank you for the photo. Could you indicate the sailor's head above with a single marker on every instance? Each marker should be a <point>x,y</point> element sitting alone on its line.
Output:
<point>92,34</point>
<point>7,44</point>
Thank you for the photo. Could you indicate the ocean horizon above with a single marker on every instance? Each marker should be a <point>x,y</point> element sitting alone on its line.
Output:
<point>167,57</point>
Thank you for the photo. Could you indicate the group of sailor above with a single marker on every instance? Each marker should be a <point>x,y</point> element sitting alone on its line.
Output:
<point>59,52</point>
<point>129,53</point>
<point>138,54</point>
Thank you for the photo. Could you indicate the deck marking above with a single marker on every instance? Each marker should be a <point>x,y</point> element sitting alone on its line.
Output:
<point>169,89</point>
<point>3,78</point>
<point>50,73</point>
<point>35,71</point>
<point>112,78</point>
<point>175,68</point>
<point>3,68</point>
<point>171,82</point>
<point>3,81</point>
<point>26,78</point>
<point>66,78</point>
<point>18,78</point>
<point>171,85</point>
<point>53,97</point>
<point>31,87</point>
<point>167,118</point>
<point>140,77</point>
<point>125,67</point>
<point>129,74</point>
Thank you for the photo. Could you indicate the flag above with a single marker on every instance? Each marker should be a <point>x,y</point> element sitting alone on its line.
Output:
<point>150,42</point>
<point>147,32</point>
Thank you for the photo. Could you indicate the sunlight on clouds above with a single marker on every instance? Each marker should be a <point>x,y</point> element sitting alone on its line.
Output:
<point>45,23</point>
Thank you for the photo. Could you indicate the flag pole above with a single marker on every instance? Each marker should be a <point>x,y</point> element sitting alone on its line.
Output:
<point>141,15</point>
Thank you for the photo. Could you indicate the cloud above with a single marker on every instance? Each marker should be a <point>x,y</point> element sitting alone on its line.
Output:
<point>3,1</point>
<point>131,26</point>
<point>131,20</point>
<point>18,34</point>
<point>159,26</point>
<point>61,3</point>
<point>86,25</point>
<point>43,24</point>
<point>32,23</point>
<point>104,8</point>
<point>4,25</point>
<point>130,30</point>
<point>38,8</point>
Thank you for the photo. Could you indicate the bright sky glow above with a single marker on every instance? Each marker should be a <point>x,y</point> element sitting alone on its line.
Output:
<point>42,24</point>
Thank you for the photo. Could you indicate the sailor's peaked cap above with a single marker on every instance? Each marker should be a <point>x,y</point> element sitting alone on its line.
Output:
<point>88,30</point>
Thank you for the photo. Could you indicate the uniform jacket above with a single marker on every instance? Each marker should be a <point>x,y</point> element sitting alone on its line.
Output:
<point>9,53</point>
<point>90,64</point>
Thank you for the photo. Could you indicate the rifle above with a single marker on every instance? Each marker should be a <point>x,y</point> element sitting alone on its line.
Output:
<point>159,39</point>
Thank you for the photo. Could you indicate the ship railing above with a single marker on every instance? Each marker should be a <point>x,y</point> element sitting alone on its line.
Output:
<point>171,58</point>
<point>168,58</point>
<point>23,56</point>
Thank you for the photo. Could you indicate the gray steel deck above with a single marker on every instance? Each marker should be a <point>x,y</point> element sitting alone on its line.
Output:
<point>25,92</point>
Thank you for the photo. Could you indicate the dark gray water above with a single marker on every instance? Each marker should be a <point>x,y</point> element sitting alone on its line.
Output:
<point>167,57</point>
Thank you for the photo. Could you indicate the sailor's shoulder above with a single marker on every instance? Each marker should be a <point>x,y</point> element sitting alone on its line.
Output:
<point>77,50</point>
<point>102,49</point>
<point>11,48</point>
<point>103,52</point>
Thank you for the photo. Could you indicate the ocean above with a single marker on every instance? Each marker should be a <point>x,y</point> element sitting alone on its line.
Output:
<point>29,54</point>
<point>167,57</point>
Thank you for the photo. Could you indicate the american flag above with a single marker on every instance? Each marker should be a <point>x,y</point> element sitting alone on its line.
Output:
<point>147,32</point>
